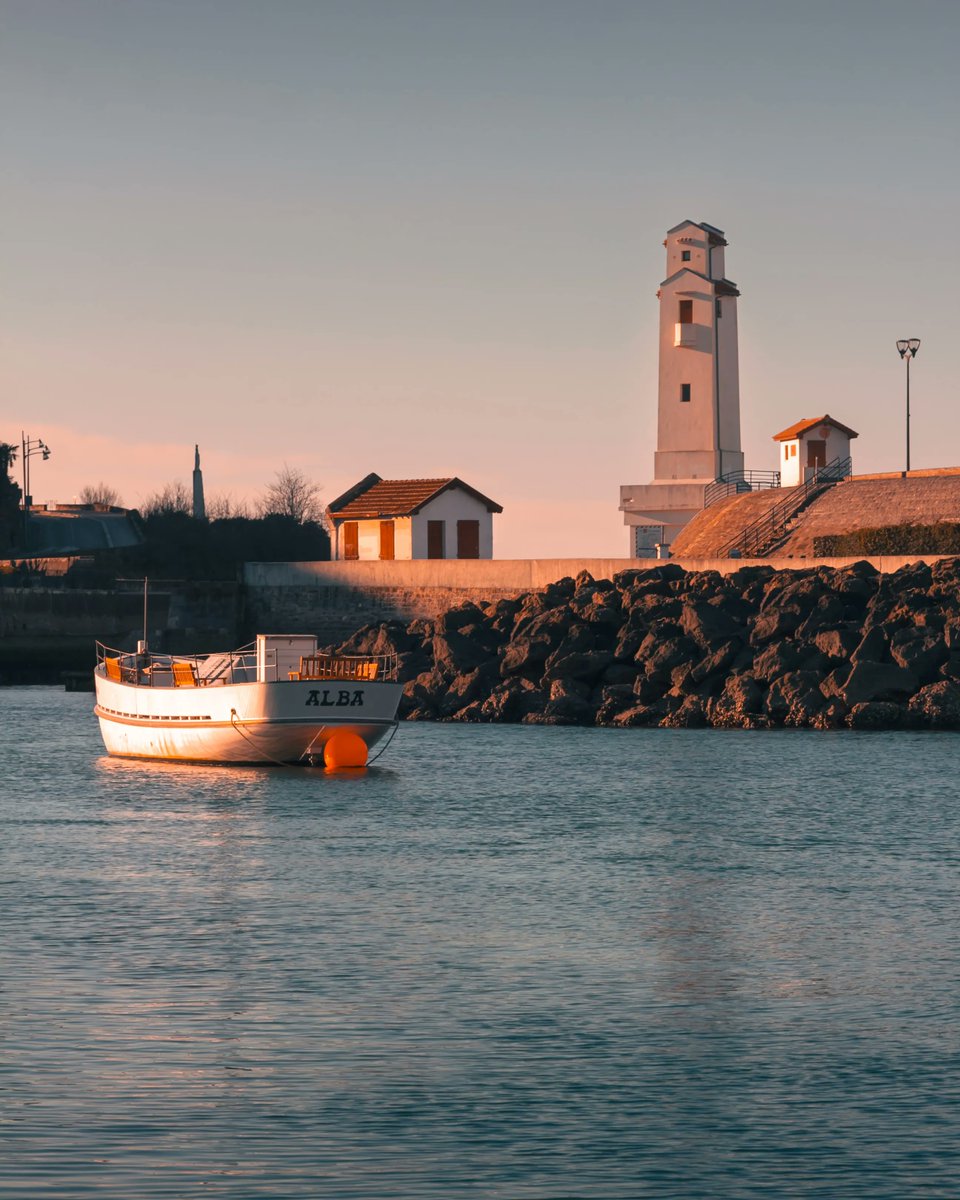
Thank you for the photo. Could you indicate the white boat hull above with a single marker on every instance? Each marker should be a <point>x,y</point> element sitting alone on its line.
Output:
<point>281,722</point>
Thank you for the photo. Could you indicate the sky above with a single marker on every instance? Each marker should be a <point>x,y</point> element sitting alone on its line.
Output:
<point>425,239</point>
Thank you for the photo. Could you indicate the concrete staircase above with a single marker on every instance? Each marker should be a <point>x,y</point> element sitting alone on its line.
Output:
<point>716,526</point>
<point>922,498</point>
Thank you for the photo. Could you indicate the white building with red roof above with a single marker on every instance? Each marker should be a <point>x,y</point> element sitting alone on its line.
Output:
<point>412,518</point>
<point>810,444</point>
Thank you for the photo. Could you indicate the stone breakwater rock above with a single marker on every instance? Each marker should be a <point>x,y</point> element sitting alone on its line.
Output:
<point>818,648</point>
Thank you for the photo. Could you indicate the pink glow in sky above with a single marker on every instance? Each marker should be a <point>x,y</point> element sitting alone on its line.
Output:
<point>425,239</point>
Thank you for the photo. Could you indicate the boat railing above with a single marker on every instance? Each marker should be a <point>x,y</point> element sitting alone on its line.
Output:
<point>364,667</point>
<point>148,669</point>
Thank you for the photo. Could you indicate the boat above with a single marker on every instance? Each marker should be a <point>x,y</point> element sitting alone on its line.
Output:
<point>276,700</point>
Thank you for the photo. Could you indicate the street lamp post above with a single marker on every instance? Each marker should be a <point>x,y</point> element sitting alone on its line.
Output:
<point>908,348</point>
<point>29,447</point>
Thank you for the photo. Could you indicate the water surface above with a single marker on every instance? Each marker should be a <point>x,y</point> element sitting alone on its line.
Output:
<point>504,962</point>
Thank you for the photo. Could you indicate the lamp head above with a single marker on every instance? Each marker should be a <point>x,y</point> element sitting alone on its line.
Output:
<point>914,346</point>
<point>903,346</point>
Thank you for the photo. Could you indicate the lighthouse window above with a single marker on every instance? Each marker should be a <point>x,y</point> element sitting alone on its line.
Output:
<point>685,393</point>
<point>685,255</point>
<point>686,312</point>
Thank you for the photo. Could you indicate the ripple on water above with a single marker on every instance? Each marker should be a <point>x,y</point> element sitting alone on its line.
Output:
<point>505,962</point>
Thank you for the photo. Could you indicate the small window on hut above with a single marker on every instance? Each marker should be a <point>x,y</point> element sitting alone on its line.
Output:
<point>685,393</point>
<point>686,312</point>
<point>351,540</point>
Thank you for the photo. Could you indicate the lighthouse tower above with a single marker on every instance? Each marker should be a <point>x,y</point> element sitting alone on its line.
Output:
<point>698,414</point>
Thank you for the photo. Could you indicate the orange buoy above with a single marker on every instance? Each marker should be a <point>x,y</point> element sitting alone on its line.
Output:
<point>344,749</point>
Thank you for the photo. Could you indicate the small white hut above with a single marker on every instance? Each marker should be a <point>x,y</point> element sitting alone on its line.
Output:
<point>809,444</point>
<point>412,518</point>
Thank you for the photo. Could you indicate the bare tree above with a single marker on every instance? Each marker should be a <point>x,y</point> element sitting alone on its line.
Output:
<point>292,494</point>
<point>99,493</point>
<point>172,498</point>
<point>222,506</point>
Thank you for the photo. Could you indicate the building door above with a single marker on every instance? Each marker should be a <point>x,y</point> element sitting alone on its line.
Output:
<point>816,453</point>
<point>436,539</point>
<point>386,539</point>
<point>351,540</point>
<point>468,539</point>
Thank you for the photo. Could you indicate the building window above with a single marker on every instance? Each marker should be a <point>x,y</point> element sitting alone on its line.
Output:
<point>686,312</point>
<point>786,450</point>
<point>685,393</point>
<point>719,309</point>
<point>793,450</point>
<point>685,255</point>
<point>351,539</point>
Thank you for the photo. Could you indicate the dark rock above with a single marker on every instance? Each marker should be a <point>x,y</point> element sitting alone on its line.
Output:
<point>620,673</point>
<point>716,663</point>
<point>512,700</point>
<point>833,715</point>
<point>690,715</point>
<point>666,655</point>
<point>465,689</point>
<point>873,647</point>
<point>472,713</point>
<point>920,653</point>
<point>613,700</point>
<point>632,634</point>
<point>774,625</point>
<point>708,624</point>
<point>877,681</point>
<point>555,594</point>
<point>567,710</point>
<point>583,579</point>
<point>794,698</point>
<point>936,706</point>
<point>827,614</point>
<point>502,615</point>
<point>412,664</point>
<point>525,655</point>
<point>776,660</point>
<point>421,630</point>
<point>876,714</point>
<point>837,644</point>
<point>455,654</point>
<point>561,688</point>
<point>639,715</point>
<point>455,619</point>
<point>581,664</point>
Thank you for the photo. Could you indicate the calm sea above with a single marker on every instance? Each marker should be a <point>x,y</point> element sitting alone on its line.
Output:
<point>506,962</point>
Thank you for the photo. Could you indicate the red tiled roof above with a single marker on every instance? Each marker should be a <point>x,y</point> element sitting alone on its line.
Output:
<point>375,497</point>
<point>801,427</point>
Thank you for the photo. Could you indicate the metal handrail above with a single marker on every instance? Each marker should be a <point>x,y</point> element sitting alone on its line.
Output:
<point>156,670</point>
<point>735,482</point>
<point>757,537</point>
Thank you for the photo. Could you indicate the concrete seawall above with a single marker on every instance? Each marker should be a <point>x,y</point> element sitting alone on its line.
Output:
<point>334,599</point>
<point>45,631</point>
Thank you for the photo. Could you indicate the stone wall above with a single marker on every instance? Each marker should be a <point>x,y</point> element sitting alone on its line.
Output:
<point>335,599</point>
<point>47,630</point>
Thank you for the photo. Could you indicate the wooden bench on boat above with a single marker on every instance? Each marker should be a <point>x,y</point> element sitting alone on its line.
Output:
<point>331,666</point>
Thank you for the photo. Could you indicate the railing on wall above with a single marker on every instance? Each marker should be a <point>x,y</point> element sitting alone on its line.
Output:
<point>735,482</point>
<point>756,539</point>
